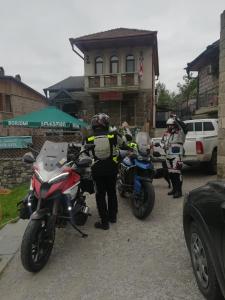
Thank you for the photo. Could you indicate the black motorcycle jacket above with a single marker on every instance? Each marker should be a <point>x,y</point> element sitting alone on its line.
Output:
<point>109,165</point>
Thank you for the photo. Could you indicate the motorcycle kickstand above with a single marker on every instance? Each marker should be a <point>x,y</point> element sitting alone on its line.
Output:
<point>83,235</point>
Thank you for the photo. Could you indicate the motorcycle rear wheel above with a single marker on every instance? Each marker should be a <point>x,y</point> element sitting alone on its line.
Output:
<point>37,245</point>
<point>143,204</point>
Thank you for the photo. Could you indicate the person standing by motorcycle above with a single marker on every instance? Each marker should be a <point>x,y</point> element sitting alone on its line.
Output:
<point>173,141</point>
<point>104,169</point>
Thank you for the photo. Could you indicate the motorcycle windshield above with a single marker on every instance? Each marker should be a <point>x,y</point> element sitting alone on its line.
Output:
<point>50,160</point>
<point>143,142</point>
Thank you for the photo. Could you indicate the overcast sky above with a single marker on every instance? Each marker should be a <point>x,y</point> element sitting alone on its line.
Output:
<point>34,34</point>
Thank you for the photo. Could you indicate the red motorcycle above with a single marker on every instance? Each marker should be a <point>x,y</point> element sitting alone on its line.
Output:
<point>62,173</point>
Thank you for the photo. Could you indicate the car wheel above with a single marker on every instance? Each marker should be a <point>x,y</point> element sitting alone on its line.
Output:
<point>202,264</point>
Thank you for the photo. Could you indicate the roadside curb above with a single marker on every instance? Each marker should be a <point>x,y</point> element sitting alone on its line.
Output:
<point>10,240</point>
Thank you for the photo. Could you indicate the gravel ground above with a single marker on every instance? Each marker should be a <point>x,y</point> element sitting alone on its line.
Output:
<point>133,260</point>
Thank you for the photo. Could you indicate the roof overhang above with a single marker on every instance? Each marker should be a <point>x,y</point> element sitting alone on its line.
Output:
<point>209,56</point>
<point>149,39</point>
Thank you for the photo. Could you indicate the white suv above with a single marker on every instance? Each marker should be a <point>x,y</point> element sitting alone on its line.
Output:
<point>201,143</point>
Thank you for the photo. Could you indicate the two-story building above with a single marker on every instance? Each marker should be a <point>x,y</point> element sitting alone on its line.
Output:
<point>120,66</point>
<point>17,98</point>
<point>207,66</point>
<point>69,96</point>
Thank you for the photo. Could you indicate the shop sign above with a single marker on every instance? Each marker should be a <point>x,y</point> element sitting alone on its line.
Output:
<point>111,96</point>
<point>15,142</point>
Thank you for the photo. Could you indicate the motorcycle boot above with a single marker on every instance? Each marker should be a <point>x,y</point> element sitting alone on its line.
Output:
<point>113,219</point>
<point>173,184</point>
<point>178,186</point>
<point>101,225</point>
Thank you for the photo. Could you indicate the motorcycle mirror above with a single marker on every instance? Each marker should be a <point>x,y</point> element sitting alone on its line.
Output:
<point>28,158</point>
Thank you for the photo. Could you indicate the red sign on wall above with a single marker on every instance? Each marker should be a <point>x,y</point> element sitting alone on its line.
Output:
<point>110,96</point>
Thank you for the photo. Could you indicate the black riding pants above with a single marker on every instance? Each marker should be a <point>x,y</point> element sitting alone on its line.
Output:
<point>106,185</point>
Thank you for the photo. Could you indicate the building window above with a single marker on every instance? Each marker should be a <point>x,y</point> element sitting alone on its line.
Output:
<point>98,65</point>
<point>8,107</point>
<point>130,63</point>
<point>114,65</point>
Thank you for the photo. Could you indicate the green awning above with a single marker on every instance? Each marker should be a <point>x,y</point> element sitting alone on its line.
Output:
<point>49,117</point>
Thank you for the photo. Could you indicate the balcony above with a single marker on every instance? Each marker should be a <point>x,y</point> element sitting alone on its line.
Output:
<point>114,82</point>
<point>110,80</point>
<point>94,81</point>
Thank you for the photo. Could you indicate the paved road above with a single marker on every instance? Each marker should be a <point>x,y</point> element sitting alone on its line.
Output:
<point>134,260</point>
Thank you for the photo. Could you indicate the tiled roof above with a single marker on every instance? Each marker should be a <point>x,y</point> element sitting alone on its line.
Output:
<point>19,82</point>
<point>211,51</point>
<point>115,33</point>
<point>70,83</point>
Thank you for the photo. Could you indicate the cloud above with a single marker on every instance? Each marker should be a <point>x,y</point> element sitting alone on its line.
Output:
<point>34,34</point>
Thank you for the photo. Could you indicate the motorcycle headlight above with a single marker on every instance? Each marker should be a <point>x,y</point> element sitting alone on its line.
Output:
<point>59,178</point>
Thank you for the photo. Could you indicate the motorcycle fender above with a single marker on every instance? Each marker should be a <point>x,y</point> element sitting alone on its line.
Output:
<point>39,214</point>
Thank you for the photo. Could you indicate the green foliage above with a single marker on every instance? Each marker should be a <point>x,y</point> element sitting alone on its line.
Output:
<point>164,96</point>
<point>187,89</point>
<point>169,100</point>
<point>8,203</point>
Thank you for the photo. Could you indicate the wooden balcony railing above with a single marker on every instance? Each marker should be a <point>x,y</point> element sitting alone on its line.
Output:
<point>94,81</point>
<point>110,80</point>
<point>128,79</point>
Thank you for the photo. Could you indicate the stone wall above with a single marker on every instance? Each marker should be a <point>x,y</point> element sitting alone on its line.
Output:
<point>14,172</point>
<point>207,81</point>
<point>221,147</point>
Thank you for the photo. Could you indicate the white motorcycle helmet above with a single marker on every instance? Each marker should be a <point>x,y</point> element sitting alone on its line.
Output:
<point>170,121</point>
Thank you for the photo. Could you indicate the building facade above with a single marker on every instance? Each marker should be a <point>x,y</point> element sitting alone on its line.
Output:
<point>17,98</point>
<point>207,66</point>
<point>120,66</point>
<point>221,142</point>
<point>69,96</point>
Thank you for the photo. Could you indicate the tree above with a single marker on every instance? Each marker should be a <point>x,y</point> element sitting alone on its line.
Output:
<point>164,96</point>
<point>187,90</point>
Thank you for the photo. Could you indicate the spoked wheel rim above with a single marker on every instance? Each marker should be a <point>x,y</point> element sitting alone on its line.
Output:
<point>42,244</point>
<point>199,260</point>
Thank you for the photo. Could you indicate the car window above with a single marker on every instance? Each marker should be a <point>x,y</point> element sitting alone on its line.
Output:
<point>190,127</point>
<point>198,126</point>
<point>208,126</point>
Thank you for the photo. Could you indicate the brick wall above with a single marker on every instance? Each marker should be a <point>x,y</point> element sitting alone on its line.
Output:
<point>23,100</point>
<point>221,147</point>
<point>207,81</point>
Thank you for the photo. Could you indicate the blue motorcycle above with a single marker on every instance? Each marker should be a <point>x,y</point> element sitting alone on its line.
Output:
<point>135,178</point>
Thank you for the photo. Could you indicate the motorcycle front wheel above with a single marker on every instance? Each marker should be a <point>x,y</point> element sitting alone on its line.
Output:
<point>37,244</point>
<point>143,204</point>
